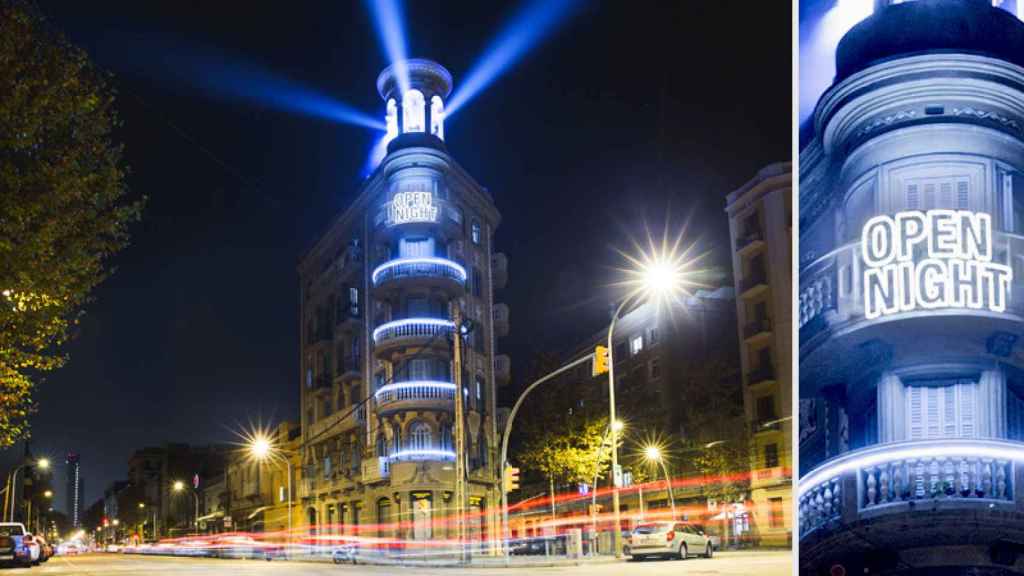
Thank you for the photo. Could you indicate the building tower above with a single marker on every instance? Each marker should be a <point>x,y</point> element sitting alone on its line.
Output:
<point>761,227</point>
<point>378,293</point>
<point>912,245</point>
<point>75,488</point>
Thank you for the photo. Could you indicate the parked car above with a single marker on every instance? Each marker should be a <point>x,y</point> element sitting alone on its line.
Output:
<point>45,549</point>
<point>17,546</point>
<point>674,539</point>
<point>716,540</point>
<point>344,553</point>
<point>538,546</point>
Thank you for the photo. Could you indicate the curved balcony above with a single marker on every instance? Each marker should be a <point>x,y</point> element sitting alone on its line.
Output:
<point>411,271</point>
<point>833,318</point>
<point>921,491</point>
<point>421,454</point>
<point>410,332</point>
<point>416,395</point>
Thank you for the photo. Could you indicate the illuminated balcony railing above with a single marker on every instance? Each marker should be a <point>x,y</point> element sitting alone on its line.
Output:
<point>415,454</point>
<point>832,287</point>
<point>412,328</point>
<point>890,478</point>
<point>419,268</point>
<point>418,390</point>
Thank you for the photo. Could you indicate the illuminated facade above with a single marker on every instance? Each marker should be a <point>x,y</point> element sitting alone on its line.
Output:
<point>912,255</point>
<point>761,227</point>
<point>378,291</point>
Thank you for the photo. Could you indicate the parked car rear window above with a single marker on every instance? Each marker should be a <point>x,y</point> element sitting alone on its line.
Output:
<point>11,531</point>
<point>652,528</point>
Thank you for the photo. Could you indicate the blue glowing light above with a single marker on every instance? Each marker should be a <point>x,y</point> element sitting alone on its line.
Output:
<point>413,327</point>
<point>423,455</point>
<point>525,30</point>
<point>219,75</point>
<point>421,266</point>
<point>430,386</point>
<point>387,15</point>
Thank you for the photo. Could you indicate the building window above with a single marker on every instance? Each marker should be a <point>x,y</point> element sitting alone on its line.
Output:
<point>636,344</point>
<point>478,282</point>
<point>416,247</point>
<point>419,436</point>
<point>946,410</point>
<point>281,494</point>
<point>776,517</point>
<point>309,377</point>
<point>327,466</point>
<point>437,116</point>
<point>655,368</point>
<point>474,233</point>
<point>413,110</point>
<point>353,302</point>
<point>653,336</point>
<point>771,456</point>
<point>326,408</point>
<point>383,511</point>
<point>446,436</point>
<point>620,351</point>
<point>765,409</point>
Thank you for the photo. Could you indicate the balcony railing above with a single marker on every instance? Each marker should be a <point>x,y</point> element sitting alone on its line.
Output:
<point>749,238</point>
<point>419,268</point>
<point>418,390</point>
<point>761,374</point>
<point>831,286</point>
<point>754,278</point>
<point>889,478</point>
<point>757,327</point>
<point>412,328</point>
<point>419,454</point>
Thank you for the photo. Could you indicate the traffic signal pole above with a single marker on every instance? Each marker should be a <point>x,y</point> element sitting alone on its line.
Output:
<point>506,530</point>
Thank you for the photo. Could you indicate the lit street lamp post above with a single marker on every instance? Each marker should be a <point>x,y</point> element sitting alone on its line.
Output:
<point>12,480</point>
<point>261,449</point>
<point>653,454</point>
<point>179,486</point>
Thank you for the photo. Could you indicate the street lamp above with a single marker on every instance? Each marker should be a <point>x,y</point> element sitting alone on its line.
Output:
<point>179,486</point>
<point>618,426</point>
<point>653,454</point>
<point>262,449</point>
<point>12,480</point>
<point>48,494</point>
<point>656,277</point>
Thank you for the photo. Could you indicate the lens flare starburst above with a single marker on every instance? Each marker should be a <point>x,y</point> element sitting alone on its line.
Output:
<point>663,272</point>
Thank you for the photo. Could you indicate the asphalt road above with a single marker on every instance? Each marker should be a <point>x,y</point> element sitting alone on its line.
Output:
<point>725,564</point>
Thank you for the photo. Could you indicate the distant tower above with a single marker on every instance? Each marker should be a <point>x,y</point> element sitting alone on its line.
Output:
<point>74,489</point>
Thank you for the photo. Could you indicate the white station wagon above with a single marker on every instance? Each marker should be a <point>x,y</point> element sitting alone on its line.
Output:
<point>675,539</point>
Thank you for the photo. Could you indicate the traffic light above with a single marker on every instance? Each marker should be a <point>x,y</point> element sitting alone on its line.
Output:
<point>511,478</point>
<point>600,360</point>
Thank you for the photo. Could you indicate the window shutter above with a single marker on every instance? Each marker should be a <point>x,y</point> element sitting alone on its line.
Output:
<point>916,419</point>
<point>949,426</point>
<point>968,400</point>
<point>962,195</point>
<point>913,197</point>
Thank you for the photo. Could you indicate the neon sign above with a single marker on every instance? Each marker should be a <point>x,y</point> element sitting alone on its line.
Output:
<point>928,260</point>
<point>412,207</point>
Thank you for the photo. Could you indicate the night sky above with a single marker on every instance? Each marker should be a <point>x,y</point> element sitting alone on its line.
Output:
<point>631,113</point>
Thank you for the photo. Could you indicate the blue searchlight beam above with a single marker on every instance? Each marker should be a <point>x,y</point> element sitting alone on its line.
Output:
<point>387,15</point>
<point>527,28</point>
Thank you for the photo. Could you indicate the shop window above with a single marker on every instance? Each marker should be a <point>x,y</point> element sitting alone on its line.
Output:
<point>771,455</point>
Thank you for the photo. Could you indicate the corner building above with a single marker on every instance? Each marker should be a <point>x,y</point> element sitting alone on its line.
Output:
<point>378,292</point>
<point>911,381</point>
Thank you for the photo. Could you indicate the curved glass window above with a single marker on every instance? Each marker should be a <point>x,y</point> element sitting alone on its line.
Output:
<point>413,111</point>
<point>437,117</point>
<point>419,436</point>
<point>391,121</point>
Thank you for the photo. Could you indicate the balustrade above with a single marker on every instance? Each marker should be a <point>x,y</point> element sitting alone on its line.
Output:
<point>946,477</point>
<point>820,505</point>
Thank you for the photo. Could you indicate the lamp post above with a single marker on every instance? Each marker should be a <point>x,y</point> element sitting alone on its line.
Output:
<point>262,449</point>
<point>179,486</point>
<point>658,275</point>
<point>42,463</point>
<point>618,426</point>
<point>653,454</point>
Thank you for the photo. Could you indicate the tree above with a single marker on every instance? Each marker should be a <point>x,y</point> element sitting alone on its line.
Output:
<point>64,209</point>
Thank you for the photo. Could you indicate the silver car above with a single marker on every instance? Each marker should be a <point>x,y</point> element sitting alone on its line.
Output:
<point>674,539</point>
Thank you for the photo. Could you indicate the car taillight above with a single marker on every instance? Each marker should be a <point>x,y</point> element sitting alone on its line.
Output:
<point>670,536</point>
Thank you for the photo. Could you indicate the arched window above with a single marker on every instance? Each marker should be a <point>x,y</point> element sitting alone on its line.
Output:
<point>446,436</point>
<point>437,116</point>
<point>391,121</point>
<point>413,111</point>
<point>419,436</point>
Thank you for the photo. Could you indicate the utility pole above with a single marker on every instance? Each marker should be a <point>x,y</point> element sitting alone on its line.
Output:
<point>459,497</point>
